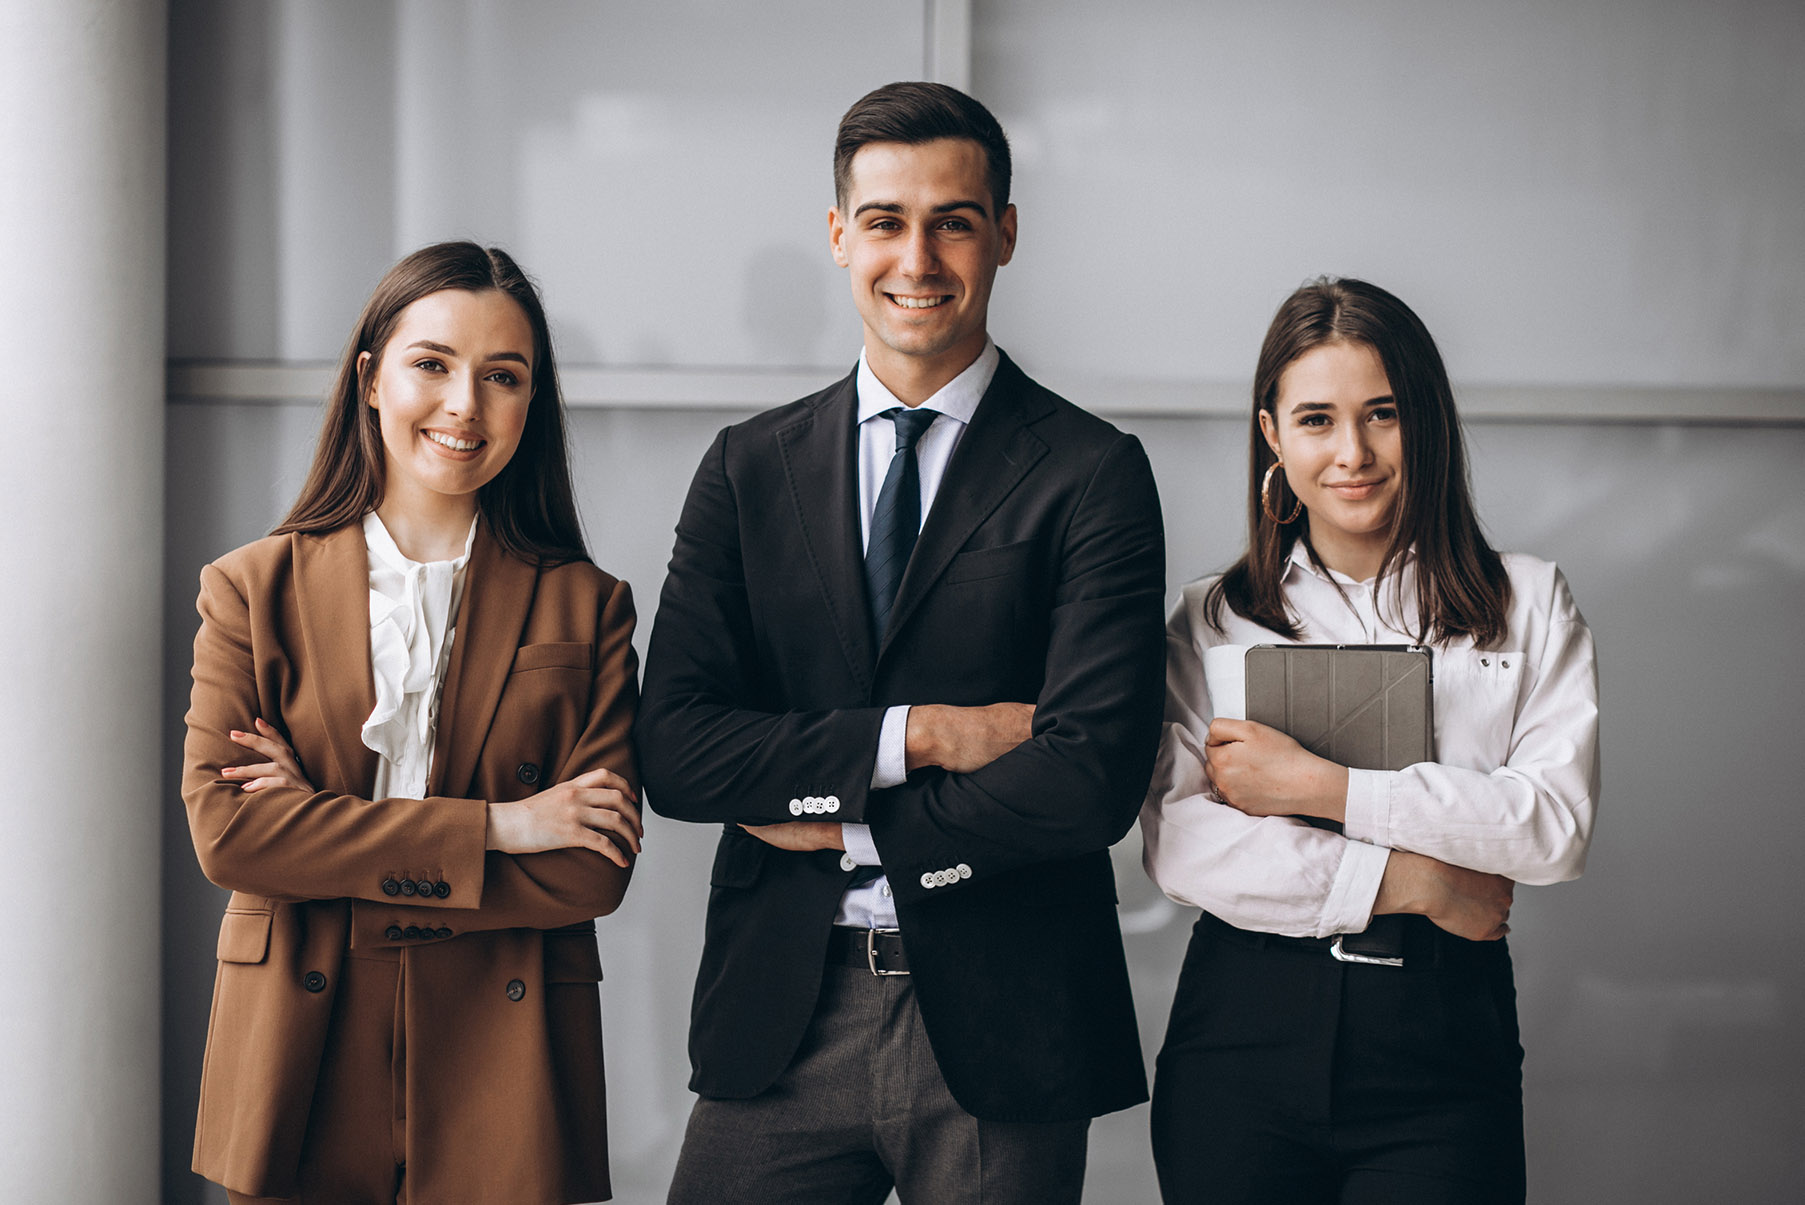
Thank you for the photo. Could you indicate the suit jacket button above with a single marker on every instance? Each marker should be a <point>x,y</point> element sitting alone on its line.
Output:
<point>412,932</point>
<point>528,773</point>
<point>424,887</point>
<point>390,887</point>
<point>927,880</point>
<point>963,870</point>
<point>516,989</point>
<point>407,887</point>
<point>833,803</point>
<point>795,807</point>
<point>442,890</point>
<point>443,933</point>
<point>393,933</point>
<point>313,981</point>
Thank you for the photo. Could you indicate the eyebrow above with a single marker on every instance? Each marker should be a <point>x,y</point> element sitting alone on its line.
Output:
<point>948,207</point>
<point>1382,400</point>
<point>429,345</point>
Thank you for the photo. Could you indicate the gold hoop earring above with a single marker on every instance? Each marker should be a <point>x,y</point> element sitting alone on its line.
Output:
<point>1266,498</point>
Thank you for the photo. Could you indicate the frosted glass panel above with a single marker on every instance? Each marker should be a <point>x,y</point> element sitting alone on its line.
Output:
<point>1568,192</point>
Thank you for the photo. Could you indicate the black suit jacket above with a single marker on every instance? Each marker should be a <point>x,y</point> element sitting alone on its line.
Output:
<point>1038,577</point>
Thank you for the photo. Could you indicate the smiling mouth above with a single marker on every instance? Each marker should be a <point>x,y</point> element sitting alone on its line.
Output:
<point>918,303</point>
<point>1355,489</point>
<point>453,443</point>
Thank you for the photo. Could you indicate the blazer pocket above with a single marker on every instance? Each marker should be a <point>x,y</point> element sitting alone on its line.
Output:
<point>979,563</point>
<point>244,936</point>
<point>574,655</point>
<point>571,955</point>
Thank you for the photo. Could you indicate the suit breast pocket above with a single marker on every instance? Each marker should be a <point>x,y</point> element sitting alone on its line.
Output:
<point>981,564</point>
<point>573,655</point>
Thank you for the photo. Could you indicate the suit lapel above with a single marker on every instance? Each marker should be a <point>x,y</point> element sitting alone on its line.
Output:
<point>498,594</point>
<point>332,583</point>
<point>995,453</point>
<point>819,451</point>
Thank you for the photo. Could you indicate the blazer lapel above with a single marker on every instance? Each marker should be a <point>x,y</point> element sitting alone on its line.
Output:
<point>995,453</point>
<point>332,584</point>
<point>818,452</point>
<point>498,594</point>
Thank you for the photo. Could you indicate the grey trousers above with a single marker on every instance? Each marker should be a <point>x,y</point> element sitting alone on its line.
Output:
<point>863,1107</point>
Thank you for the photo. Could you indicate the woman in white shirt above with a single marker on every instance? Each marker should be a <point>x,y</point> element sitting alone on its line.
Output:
<point>1287,1073</point>
<point>409,756</point>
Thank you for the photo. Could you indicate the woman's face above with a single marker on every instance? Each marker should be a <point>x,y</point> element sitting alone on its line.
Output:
<point>1335,429</point>
<point>452,389</point>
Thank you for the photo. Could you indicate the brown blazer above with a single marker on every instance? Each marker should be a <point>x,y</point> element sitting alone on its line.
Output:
<point>506,1099</point>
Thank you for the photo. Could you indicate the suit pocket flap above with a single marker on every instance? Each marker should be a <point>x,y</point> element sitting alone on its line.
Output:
<point>244,936</point>
<point>574,655</point>
<point>572,957</point>
<point>978,563</point>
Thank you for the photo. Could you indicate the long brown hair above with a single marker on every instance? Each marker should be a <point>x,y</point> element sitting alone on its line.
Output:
<point>1461,586</point>
<point>529,507</point>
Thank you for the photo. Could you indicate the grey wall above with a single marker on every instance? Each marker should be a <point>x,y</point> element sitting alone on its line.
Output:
<point>1585,198</point>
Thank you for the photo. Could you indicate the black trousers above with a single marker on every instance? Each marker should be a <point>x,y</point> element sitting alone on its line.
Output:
<point>1288,1077</point>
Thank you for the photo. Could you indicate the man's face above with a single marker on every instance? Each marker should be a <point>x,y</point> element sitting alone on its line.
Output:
<point>919,234</point>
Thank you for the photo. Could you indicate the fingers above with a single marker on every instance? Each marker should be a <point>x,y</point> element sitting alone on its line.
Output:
<point>1224,731</point>
<point>600,843</point>
<point>605,779</point>
<point>608,819</point>
<point>268,781</point>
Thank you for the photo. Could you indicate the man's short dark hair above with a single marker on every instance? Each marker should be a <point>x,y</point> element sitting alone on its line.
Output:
<point>913,112</point>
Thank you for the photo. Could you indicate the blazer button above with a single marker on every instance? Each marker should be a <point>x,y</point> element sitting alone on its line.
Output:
<point>412,932</point>
<point>442,890</point>
<point>516,989</point>
<point>390,887</point>
<point>963,870</point>
<point>527,773</point>
<point>407,887</point>
<point>795,807</point>
<point>424,887</point>
<point>927,880</point>
<point>443,933</point>
<point>313,981</point>
<point>833,803</point>
<point>393,933</point>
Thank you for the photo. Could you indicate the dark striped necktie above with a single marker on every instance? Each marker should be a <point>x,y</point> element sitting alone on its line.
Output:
<point>896,520</point>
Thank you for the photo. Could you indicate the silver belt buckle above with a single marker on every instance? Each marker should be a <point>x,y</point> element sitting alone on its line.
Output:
<point>1342,955</point>
<point>871,951</point>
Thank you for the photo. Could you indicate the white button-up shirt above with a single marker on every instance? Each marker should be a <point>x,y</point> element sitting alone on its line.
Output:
<point>1512,791</point>
<point>871,905</point>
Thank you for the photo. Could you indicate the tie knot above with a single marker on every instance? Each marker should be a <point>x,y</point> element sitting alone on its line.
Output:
<point>910,424</point>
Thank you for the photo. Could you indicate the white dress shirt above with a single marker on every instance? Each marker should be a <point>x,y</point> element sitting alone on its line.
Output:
<point>870,906</point>
<point>1512,791</point>
<point>413,608</point>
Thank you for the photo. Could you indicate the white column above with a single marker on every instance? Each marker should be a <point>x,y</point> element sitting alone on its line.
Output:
<point>81,765</point>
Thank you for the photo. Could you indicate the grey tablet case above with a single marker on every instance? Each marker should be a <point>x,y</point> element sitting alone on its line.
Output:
<point>1368,706</point>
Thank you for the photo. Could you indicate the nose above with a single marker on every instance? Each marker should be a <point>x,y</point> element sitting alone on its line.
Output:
<point>463,396</point>
<point>918,258</point>
<point>1353,450</point>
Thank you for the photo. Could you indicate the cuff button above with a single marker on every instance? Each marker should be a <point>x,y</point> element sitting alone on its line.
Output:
<point>516,990</point>
<point>424,887</point>
<point>393,933</point>
<point>795,807</point>
<point>848,862</point>
<point>963,871</point>
<point>442,890</point>
<point>927,880</point>
<point>407,887</point>
<point>391,887</point>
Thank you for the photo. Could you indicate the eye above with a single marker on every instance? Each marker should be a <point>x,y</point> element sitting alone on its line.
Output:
<point>1384,414</point>
<point>502,376</point>
<point>1314,418</point>
<point>429,364</point>
<point>955,224</point>
<point>885,224</point>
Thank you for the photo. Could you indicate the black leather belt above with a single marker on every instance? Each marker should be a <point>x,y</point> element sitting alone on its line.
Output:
<point>1412,942</point>
<point>879,951</point>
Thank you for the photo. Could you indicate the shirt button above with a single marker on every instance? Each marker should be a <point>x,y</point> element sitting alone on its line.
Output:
<point>313,981</point>
<point>516,989</point>
<point>393,933</point>
<point>442,890</point>
<point>528,773</point>
<point>848,862</point>
<point>885,889</point>
<point>390,887</point>
<point>407,887</point>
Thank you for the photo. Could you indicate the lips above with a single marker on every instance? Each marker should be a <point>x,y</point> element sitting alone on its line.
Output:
<point>1354,490</point>
<point>454,443</point>
<point>918,303</point>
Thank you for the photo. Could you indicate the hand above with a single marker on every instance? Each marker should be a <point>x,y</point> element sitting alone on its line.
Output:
<point>963,739</point>
<point>591,811</point>
<point>283,769</point>
<point>799,835</point>
<point>1261,771</point>
<point>1466,903</point>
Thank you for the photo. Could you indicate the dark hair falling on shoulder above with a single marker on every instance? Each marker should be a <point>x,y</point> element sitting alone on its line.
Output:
<point>1461,585</point>
<point>529,508</point>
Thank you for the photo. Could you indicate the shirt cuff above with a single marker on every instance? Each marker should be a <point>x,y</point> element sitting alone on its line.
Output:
<point>859,845</point>
<point>1368,811</point>
<point>1349,908</point>
<point>892,766</point>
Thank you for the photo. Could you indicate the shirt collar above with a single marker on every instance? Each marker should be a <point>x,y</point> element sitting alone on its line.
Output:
<point>1300,561</point>
<point>958,398</point>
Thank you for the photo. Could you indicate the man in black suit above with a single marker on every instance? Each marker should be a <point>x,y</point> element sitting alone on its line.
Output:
<point>909,656</point>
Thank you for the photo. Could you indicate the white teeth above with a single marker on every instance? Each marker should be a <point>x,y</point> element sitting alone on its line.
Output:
<point>917,303</point>
<point>456,445</point>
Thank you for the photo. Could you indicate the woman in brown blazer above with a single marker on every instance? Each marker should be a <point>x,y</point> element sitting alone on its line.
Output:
<point>408,756</point>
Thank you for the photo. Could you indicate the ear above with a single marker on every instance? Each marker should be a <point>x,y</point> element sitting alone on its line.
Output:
<point>1270,430</point>
<point>364,385</point>
<point>836,235</point>
<point>1006,229</point>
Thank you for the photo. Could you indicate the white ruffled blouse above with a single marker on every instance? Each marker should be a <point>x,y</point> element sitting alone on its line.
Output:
<point>413,612</point>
